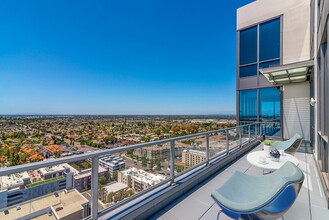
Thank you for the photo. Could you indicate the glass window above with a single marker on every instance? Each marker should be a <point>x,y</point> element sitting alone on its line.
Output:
<point>248,46</point>
<point>248,105</point>
<point>269,40</point>
<point>269,64</point>
<point>269,104</point>
<point>248,70</point>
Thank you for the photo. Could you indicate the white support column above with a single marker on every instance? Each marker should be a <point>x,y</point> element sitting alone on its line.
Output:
<point>315,74</point>
<point>94,188</point>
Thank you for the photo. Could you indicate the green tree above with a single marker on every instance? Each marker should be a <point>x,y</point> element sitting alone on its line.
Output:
<point>102,180</point>
<point>157,132</point>
<point>158,165</point>
<point>115,176</point>
<point>151,164</point>
<point>57,154</point>
<point>144,162</point>
<point>110,197</point>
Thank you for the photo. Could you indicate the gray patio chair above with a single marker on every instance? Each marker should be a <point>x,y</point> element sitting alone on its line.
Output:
<point>260,197</point>
<point>291,145</point>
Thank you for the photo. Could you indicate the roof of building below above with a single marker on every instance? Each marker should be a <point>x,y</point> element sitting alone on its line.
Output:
<point>70,201</point>
<point>115,187</point>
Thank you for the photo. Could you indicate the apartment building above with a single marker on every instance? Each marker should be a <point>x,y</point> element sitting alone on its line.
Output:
<point>82,179</point>
<point>138,179</point>
<point>112,163</point>
<point>193,157</point>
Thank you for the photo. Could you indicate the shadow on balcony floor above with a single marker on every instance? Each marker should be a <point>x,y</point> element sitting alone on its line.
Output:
<point>198,204</point>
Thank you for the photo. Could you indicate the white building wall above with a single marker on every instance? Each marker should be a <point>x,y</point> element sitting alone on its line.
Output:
<point>296,110</point>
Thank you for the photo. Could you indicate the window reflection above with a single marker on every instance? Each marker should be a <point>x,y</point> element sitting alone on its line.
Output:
<point>248,105</point>
<point>248,46</point>
<point>269,104</point>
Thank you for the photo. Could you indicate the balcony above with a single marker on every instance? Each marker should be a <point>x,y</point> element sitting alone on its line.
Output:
<point>197,204</point>
<point>147,186</point>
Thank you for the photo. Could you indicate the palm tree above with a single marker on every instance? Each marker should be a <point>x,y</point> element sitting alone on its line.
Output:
<point>110,197</point>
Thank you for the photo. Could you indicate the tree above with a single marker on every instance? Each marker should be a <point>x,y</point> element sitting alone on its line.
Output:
<point>57,154</point>
<point>115,176</point>
<point>144,162</point>
<point>130,152</point>
<point>158,165</point>
<point>147,138</point>
<point>151,164</point>
<point>120,194</point>
<point>101,192</point>
<point>102,180</point>
<point>157,132</point>
<point>110,198</point>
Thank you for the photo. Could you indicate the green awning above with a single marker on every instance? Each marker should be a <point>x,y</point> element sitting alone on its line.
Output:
<point>289,73</point>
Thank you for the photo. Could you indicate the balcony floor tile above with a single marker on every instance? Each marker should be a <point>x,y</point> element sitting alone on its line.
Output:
<point>198,204</point>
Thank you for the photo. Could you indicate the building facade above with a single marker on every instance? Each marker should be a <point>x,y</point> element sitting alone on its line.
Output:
<point>21,187</point>
<point>139,180</point>
<point>282,72</point>
<point>272,34</point>
<point>193,157</point>
<point>82,179</point>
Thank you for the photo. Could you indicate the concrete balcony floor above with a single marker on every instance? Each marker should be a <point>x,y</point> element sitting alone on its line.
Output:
<point>197,204</point>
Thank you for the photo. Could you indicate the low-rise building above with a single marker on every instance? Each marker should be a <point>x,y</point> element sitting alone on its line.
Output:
<point>50,150</point>
<point>138,179</point>
<point>82,179</point>
<point>112,163</point>
<point>20,187</point>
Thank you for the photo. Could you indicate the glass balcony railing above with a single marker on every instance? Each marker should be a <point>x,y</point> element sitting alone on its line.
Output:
<point>88,184</point>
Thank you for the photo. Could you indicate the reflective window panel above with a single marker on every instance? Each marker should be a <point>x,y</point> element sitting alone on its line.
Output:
<point>248,46</point>
<point>269,104</point>
<point>269,40</point>
<point>248,105</point>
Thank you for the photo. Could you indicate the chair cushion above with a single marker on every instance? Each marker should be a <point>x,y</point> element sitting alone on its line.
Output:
<point>246,193</point>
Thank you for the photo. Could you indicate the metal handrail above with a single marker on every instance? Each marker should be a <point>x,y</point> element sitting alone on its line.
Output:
<point>94,157</point>
<point>74,158</point>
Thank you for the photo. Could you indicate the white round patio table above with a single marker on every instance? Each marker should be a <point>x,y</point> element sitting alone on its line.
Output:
<point>253,158</point>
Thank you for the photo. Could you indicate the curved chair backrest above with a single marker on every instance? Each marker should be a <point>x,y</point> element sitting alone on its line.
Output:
<point>284,200</point>
<point>266,197</point>
<point>295,143</point>
<point>291,145</point>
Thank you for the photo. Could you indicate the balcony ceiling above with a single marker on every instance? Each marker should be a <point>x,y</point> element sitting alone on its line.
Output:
<point>289,73</point>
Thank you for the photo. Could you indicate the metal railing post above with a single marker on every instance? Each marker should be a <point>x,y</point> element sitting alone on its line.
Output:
<point>207,149</point>
<point>227,142</point>
<point>249,136</point>
<point>240,136</point>
<point>172,161</point>
<point>94,188</point>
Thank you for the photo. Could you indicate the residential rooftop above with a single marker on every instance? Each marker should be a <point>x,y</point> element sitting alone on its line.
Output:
<point>70,201</point>
<point>143,176</point>
<point>13,180</point>
<point>54,169</point>
<point>115,187</point>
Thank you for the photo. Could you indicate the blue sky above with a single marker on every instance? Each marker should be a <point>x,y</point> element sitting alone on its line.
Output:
<point>118,57</point>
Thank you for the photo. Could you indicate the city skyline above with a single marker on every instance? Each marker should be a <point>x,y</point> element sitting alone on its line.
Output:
<point>149,59</point>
